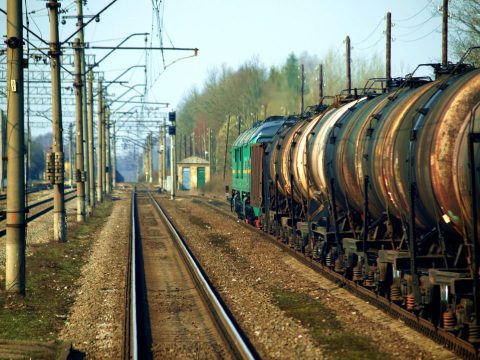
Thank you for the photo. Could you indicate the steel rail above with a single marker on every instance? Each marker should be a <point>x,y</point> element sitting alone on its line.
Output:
<point>132,339</point>
<point>233,335</point>
<point>3,232</point>
<point>459,346</point>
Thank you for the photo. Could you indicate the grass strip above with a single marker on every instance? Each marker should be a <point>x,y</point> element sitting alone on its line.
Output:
<point>52,271</point>
<point>325,328</point>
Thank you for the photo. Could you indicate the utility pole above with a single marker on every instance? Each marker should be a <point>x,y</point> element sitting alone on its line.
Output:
<point>226,149</point>
<point>70,154</point>
<point>150,159</point>
<point>103,152</point>
<point>79,168</point>
<point>388,51</point>
<point>86,157</point>
<point>108,166</point>
<point>100,145</point>
<point>303,91</point>
<point>29,156</point>
<point>348,64</point>
<point>210,148</point>
<point>59,221</point>
<point>445,33</point>
<point>91,153</point>
<point>114,158</point>
<point>320,84</point>
<point>15,243</point>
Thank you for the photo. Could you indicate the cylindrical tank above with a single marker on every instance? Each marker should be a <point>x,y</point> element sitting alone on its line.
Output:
<point>414,135</point>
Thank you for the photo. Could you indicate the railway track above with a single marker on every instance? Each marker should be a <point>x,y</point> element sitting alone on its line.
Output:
<point>37,209</point>
<point>458,346</point>
<point>172,309</point>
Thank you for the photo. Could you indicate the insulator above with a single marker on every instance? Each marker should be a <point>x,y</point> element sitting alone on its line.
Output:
<point>410,302</point>
<point>449,320</point>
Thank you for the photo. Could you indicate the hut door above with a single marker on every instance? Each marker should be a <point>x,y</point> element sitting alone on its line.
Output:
<point>200,177</point>
<point>185,178</point>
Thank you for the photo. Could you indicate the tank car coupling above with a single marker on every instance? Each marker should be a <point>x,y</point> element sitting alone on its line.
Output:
<point>449,320</point>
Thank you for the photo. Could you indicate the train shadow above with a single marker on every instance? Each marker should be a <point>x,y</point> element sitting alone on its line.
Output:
<point>144,330</point>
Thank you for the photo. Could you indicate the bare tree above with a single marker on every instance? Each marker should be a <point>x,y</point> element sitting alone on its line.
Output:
<point>465,19</point>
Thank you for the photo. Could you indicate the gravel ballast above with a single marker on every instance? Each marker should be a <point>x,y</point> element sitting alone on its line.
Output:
<point>265,289</point>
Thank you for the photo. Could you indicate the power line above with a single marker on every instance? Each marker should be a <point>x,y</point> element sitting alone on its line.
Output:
<point>421,37</point>
<point>416,14</point>
<point>371,34</point>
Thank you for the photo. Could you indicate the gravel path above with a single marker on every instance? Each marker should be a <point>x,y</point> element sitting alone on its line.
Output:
<point>245,268</point>
<point>95,324</point>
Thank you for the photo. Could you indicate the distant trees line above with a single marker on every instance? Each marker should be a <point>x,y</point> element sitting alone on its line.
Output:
<point>232,97</point>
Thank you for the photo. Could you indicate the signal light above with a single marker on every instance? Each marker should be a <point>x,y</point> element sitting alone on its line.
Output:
<point>172,116</point>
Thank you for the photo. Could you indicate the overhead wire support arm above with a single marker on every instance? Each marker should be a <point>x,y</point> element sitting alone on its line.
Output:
<point>112,48</point>
<point>143,48</point>
<point>88,22</point>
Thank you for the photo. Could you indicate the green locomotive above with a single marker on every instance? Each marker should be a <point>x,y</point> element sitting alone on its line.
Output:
<point>243,160</point>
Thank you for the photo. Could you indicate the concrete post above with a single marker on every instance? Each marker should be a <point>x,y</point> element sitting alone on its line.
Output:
<point>70,154</point>
<point>100,144</point>
<point>91,153</point>
<point>86,155</point>
<point>3,149</point>
<point>103,150</point>
<point>388,51</point>
<point>108,165</point>
<point>79,168</point>
<point>114,158</point>
<point>348,64</point>
<point>28,163</point>
<point>59,220</point>
<point>161,146</point>
<point>15,242</point>
<point>445,33</point>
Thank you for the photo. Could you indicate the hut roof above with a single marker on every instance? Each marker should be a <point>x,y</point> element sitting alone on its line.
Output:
<point>194,160</point>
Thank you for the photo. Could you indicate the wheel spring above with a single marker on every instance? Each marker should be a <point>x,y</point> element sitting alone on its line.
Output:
<point>370,282</point>
<point>449,320</point>
<point>395,293</point>
<point>339,266</point>
<point>357,273</point>
<point>328,260</point>
<point>410,302</point>
<point>474,334</point>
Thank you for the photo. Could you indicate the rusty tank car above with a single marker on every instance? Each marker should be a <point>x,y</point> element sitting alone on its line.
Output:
<point>382,187</point>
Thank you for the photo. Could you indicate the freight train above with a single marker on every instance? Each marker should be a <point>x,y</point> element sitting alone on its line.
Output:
<point>382,187</point>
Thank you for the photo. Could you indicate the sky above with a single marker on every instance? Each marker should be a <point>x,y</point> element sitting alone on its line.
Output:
<point>231,32</point>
